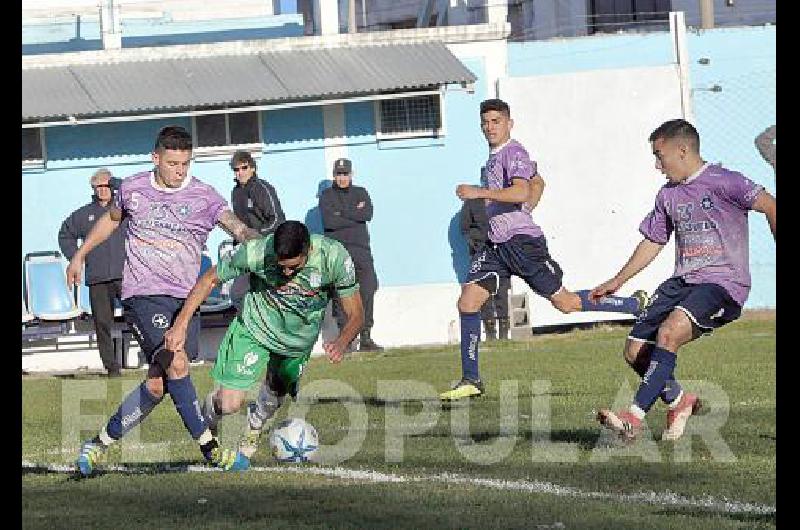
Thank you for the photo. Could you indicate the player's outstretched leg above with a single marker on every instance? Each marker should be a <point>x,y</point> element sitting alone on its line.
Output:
<point>259,413</point>
<point>633,304</point>
<point>130,413</point>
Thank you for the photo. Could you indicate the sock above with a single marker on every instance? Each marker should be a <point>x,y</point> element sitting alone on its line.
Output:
<point>264,407</point>
<point>672,389</point>
<point>185,398</point>
<point>611,304</point>
<point>470,336</point>
<point>662,365</point>
<point>133,409</point>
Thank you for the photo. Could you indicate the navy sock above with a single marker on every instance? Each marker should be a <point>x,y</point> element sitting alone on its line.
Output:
<point>133,409</point>
<point>662,365</point>
<point>611,304</point>
<point>672,389</point>
<point>470,336</point>
<point>185,398</point>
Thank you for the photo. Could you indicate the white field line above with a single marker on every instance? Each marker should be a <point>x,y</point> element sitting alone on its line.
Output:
<point>666,498</point>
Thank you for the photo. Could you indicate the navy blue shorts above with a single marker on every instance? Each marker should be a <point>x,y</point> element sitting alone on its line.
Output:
<point>522,256</point>
<point>708,306</point>
<point>149,317</point>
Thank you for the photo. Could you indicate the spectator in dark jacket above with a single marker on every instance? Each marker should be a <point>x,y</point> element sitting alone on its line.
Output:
<point>475,227</point>
<point>256,203</point>
<point>345,210</point>
<point>103,264</point>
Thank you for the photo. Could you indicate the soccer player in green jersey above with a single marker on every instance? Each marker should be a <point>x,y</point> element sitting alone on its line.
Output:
<point>292,276</point>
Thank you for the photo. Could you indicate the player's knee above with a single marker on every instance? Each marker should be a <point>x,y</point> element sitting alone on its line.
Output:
<point>230,403</point>
<point>179,366</point>
<point>155,385</point>
<point>668,336</point>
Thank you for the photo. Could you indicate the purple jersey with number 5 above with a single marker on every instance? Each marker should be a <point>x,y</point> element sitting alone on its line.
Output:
<point>508,219</point>
<point>708,214</point>
<point>166,233</point>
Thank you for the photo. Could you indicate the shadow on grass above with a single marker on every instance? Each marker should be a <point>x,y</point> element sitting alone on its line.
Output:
<point>749,518</point>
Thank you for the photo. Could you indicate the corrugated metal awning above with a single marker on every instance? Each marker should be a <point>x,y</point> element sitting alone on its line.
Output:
<point>165,85</point>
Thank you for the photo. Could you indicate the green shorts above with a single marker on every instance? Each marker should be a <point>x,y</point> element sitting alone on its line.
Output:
<point>242,361</point>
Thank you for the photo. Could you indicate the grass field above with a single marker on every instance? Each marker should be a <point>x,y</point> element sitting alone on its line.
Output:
<point>526,454</point>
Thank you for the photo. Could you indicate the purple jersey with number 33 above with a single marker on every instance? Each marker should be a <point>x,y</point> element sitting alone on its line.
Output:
<point>508,219</point>
<point>708,214</point>
<point>166,233</point>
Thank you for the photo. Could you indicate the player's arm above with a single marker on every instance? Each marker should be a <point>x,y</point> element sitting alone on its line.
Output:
<point>236,228</point>
<point>765,203</point>
<point>354,310</point>
<point>175,337</point>
<point>517,193</point>
<point>101,230</point>
<point>646,251</point>
<point>536,189</point>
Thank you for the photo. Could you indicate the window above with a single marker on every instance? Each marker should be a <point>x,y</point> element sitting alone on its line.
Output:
<point>214,133</point>
<point>33,147</point>
<point>610,16</point>
<point>408,117</point>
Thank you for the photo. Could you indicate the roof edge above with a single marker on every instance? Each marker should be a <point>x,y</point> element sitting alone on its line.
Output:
<point>444,34</point>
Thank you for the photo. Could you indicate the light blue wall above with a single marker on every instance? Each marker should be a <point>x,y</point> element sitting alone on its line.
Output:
<point>742,62</point>
<point>414,233</point>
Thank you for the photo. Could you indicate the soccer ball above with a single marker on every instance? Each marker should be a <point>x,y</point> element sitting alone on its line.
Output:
<point>293,440</point>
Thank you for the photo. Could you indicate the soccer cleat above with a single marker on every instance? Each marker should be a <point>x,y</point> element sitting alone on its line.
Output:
<point>625,424</point>
<point>226,459</point>
<point>466,388</point>
<point>643,298</point>
<point>676,418</point>
<point>90,455</point>
<point>248,445</point>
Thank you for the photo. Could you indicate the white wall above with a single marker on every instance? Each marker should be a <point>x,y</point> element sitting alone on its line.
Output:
<point>588,132</point>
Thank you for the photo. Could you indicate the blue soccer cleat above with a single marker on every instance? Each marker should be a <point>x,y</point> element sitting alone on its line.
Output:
<point>90,455</point>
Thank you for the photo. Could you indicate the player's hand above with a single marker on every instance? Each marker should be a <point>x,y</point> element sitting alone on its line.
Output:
<point>465,191</point>
<point>74,270</point>
<point>334,350</point>
<point>605,289</point>
<point>175,338</point>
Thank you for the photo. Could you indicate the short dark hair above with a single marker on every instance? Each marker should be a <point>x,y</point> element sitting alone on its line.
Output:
<point>174,138</point>
<point>495,104</point>
<point>291,240</point>
<point>678,128</point>
<point>243,156</point>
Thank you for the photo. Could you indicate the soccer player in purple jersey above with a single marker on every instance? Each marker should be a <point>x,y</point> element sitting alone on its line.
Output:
<point>706,206</point>
<point>170,216</point>
<point>516,245</point>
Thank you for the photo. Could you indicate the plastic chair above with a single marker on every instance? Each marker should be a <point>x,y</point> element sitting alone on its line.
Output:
<point>46,291</point>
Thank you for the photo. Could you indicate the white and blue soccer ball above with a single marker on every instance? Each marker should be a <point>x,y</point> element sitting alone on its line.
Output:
<point>293,440</point>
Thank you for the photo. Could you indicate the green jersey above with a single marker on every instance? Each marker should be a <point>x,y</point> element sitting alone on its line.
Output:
<point>285,314</point>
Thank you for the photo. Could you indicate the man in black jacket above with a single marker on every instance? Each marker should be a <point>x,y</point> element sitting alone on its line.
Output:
<point>345,211</point>
<point>256,203</point>
<point>475,227</point>
<point>103,264</point>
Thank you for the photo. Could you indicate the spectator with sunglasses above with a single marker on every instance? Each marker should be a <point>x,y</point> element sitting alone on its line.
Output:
<point>256,203</point>
<point>103,263</point>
